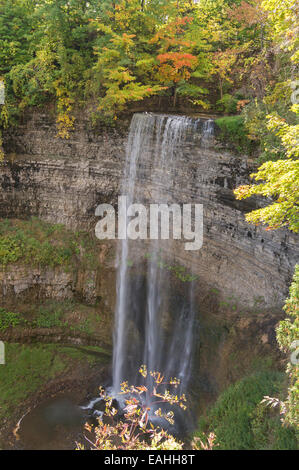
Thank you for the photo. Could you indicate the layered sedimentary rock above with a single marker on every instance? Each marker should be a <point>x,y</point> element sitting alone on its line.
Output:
<point>24,283</point>
<point>62,181</point>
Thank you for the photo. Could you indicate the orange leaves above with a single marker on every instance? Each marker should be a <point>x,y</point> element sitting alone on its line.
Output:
<point>177,42</point>
<point>179,59</point>
<point>247,14</point>
<point>158,377</point>
<point>141,389</point>
<point>123,41</point>
<point>241,104</point>
<point>183,21</point>
<point>128,37</point>
<point>176,66</point>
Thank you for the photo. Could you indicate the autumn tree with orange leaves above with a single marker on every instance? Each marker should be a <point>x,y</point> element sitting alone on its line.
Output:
<point>175,62</point>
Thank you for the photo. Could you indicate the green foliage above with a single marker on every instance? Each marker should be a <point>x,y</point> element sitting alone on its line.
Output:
<point>49,318</point>
<point>1,143</point>
<point>266,122</point>
<point>16,27</point>
<point>54,314</point>
<point>8,319</point>
<point>283,18</point>
<point>288,134</point>
<point>287,333</point>
<point>274,123</point>
<point>268,431</point>
<point>279,180</point>
<point>178,270</point>
<point>29,367</point>
<point>10,250</point>
<point>255,119</point>
<point>106,55</point>
<point>84,327</point>
<point>36,242</point>
<point>228,104</point>
<point>26,368</point>
<point>234,133</point>
<point>101,52</point>
<point>194,93</point>
<point>238,420</point>
<point>91,354</point>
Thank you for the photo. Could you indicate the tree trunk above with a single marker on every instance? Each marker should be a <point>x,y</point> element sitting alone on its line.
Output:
<point>174,97</point>
<point>221,88</point>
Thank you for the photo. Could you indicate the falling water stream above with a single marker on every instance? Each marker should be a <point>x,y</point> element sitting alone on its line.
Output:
<point>155,319</point>
<point>153,326</point>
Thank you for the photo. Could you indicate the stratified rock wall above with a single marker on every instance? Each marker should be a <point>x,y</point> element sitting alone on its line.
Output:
<point>62,181</point>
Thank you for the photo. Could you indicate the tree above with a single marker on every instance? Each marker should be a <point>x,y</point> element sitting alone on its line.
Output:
<point>279,181</point>
<point>17,28</point>
<point>283,24</point>
<point>116,70</point>
<point>288,340</point>
<point>176,63</point>
<point>223,62</point>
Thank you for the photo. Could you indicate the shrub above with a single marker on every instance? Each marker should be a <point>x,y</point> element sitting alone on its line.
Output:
<point>10,250</point>
<point>228,104</point>
<point>233,133</point>
<point>8,319</point>
<point>287,334</point>
<point>47,318</point>
<point>238,420</point>
<point>268,432</point>
<point>134,431</point>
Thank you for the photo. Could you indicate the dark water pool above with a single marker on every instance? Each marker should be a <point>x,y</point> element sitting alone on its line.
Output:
<point>54,424</point>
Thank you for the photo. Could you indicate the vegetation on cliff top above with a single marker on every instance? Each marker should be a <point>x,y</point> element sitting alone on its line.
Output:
<point>236,57</point>
<point>104,55</point>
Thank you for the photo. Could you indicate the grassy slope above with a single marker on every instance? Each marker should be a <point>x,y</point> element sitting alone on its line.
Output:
<point>241,422</point>
<point>29,367</point>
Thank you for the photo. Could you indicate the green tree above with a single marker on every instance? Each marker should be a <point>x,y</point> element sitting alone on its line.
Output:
<point>288,340</point>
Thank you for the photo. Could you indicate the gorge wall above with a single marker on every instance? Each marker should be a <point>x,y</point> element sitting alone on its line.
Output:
<point>62,181</point>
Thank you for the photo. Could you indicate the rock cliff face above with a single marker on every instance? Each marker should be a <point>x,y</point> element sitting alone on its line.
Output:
<point>33,284</point>
<point>62,181</point>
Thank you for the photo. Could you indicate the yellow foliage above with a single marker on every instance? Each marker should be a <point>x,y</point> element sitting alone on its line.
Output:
<point>64,120</point>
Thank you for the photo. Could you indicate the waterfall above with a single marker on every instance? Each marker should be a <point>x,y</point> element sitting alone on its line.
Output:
<point>207,133</point>
<point>154,325</point>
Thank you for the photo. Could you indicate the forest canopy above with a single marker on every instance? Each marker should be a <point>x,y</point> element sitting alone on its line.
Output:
<point>237,58</point>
